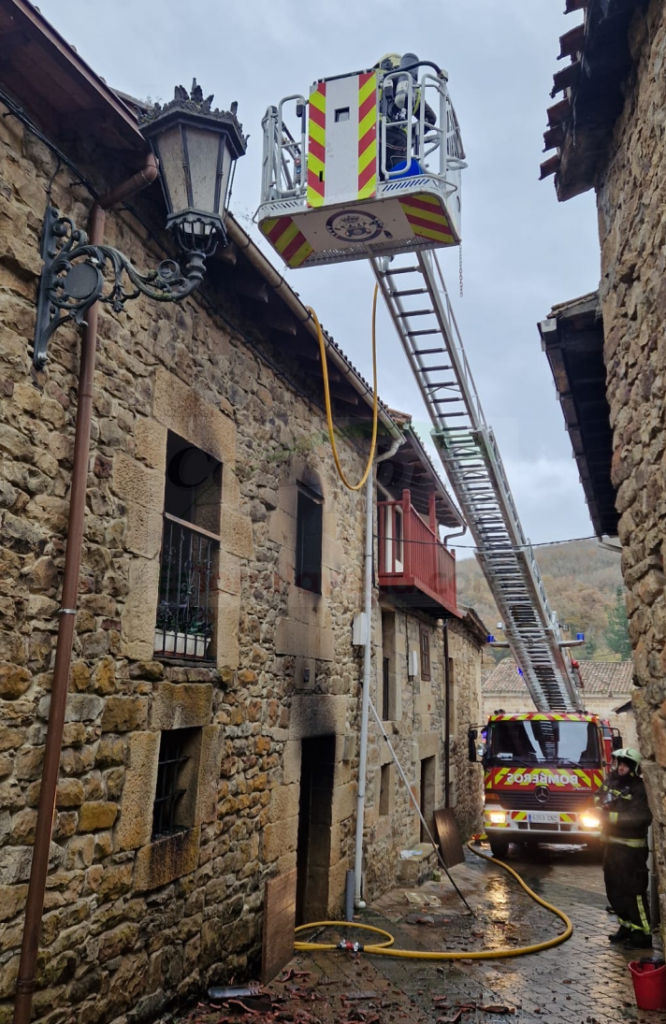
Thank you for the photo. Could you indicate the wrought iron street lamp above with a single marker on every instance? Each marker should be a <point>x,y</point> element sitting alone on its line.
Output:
<point>196,147</point>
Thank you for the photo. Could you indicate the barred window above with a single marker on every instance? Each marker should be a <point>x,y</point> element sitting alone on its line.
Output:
<point>172,781</point>
<point>425,652</point>
<point>190,553</point>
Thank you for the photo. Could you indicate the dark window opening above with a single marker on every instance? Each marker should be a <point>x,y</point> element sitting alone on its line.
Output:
<point>193,488</point>
<point>342,114</point>
<point>385,790</point>
<point>386,689</point>
<point>190,552</point>
<point>425,652</point>
<point>173,781</point>
<point>309,522</point>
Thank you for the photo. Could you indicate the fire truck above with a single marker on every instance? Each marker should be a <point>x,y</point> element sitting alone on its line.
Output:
<point>541,772</point>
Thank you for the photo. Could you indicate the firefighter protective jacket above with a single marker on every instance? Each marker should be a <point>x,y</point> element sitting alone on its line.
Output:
<point>623,801</point>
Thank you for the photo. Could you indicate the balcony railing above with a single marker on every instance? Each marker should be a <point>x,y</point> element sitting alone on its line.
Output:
<point>412,559</point>
<point>186,612</point>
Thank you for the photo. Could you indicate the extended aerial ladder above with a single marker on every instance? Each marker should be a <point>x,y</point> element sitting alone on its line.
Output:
<point>350,199</point>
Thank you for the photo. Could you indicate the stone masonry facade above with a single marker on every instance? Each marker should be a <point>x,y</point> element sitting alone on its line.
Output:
<point>417,733</point>
<point>631,193</point>
<point>131,922</point>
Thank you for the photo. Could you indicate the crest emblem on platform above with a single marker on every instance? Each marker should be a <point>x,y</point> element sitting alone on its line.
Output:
<point>354,226</point>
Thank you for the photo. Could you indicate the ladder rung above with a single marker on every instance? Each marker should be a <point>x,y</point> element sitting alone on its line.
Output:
<point>432,369</point>
<point>401,270</point>
<point>442,384</point>
<point>440,401</point>
<point>417,312</point>
<point>409,291</point>
<point>425,351</point>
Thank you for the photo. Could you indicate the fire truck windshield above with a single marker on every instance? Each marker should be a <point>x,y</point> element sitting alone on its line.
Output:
<point>541,742</point>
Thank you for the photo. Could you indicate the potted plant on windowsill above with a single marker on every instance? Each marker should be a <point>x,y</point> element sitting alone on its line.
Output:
<point>187,634</point>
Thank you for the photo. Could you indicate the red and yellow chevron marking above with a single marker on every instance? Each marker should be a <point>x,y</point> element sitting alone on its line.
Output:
<point>543,716</point>
<point>285,237</point>
<point>569,819</point>
<point>317,146</point>
<point>427,218</point>
<point>565,778</point>
<point>519,815</point>
<point>367,135</point>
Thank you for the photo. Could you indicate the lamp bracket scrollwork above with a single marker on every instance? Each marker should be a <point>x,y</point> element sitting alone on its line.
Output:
<point>77,274</point>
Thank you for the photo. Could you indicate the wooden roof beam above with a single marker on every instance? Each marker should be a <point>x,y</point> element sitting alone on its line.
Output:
<point>572,42</point>
<point>550,166</point>
<point>567,78</point>
<point>559,112</point>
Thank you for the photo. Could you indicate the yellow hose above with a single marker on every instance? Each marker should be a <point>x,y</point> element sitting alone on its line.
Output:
<point>381,948</point>
<point>327,396</point>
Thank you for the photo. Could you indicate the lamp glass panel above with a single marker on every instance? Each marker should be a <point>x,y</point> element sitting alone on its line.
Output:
<point>202,149</point>
<point>172,166</point>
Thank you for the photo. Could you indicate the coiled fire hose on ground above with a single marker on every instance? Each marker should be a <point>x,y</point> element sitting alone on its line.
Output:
<point>384,948</point>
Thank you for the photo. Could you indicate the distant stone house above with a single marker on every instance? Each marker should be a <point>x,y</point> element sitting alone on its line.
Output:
<point>607,350</point>
<point>211,732</point>
<point>607,686</point>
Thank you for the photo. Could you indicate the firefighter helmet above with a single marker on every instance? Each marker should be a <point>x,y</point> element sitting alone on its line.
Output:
<point>628,754</point>
<point>389,62</point>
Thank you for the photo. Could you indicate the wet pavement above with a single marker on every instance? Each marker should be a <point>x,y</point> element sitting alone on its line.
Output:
<point>583,981</point>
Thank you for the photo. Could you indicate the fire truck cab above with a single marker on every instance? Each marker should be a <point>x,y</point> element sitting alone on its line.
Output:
<point>541,771</point>
<point>333,188</point>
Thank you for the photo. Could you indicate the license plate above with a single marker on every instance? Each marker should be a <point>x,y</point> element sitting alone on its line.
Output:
<point>549,817</point>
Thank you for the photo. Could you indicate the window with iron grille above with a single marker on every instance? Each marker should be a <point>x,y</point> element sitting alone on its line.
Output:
<point>309,522</point>
<point>425,652</point>
<point>173,804</point>
<point>190,552</point>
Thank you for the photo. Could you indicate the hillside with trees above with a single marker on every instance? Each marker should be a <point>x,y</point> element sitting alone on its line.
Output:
<point>584,586</point>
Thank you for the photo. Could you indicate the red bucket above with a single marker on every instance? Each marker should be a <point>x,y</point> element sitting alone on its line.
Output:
<point>649,978</point>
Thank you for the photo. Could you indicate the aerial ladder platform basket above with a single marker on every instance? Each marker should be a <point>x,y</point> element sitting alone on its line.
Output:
<point>331,190</point>
<point>334,191</point>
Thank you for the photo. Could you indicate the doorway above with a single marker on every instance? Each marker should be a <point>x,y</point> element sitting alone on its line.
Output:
<point>315,814</point>
<point>428,779</point>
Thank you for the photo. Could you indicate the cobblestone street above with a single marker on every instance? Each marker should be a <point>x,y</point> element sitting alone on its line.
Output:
<point>584,981</point>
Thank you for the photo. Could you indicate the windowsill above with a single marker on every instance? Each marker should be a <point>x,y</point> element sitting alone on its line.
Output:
<point>163,860</point>
<point>185,662</point>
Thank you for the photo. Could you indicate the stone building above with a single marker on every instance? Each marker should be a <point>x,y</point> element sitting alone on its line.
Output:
<point>607,130</point>
<point>607,687</point>
<point>211,732</point>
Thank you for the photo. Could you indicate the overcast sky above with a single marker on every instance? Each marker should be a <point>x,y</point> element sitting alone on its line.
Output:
<point>522,250</point>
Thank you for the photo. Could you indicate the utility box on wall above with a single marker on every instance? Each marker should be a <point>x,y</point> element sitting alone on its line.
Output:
<point>360,630</point>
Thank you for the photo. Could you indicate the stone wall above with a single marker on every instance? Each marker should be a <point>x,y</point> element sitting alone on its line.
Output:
<point>632,227</point>
<point>417,733</point>
<point>131,922</point>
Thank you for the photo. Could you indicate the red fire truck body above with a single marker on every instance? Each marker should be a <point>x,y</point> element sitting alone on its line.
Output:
<point>541,772</point>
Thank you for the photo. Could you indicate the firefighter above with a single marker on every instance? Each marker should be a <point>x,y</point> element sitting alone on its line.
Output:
<point>626,818</point>
<point>393,101</point>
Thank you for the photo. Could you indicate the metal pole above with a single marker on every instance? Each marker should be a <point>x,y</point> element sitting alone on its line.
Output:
<point>365,694</point>
<point>447,717</point>
<point>367,665</point>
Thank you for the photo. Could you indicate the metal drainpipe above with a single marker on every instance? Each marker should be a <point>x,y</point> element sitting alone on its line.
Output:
<point>367,664</point>
<point>25,985</point>
<point>447,717</point>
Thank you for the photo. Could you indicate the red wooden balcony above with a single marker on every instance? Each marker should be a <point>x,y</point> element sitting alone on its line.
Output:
<point>413,562</point>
